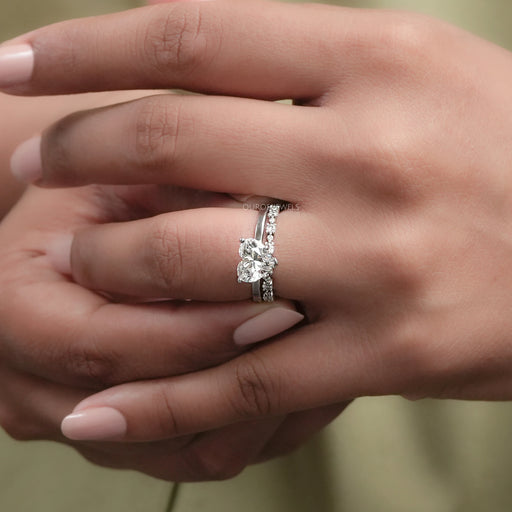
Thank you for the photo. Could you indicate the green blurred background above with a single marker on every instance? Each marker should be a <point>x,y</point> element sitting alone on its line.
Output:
<point>490,18</point>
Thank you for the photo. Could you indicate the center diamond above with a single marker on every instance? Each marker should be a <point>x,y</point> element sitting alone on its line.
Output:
<point>257,262</point>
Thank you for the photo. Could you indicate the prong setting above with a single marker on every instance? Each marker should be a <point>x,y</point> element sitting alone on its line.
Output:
<point>257,260</point>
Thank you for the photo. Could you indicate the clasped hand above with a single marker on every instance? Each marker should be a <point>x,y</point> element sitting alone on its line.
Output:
<point>396,154</point>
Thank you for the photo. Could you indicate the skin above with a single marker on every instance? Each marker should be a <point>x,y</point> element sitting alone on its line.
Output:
<point>92,342</point>
<point>397,152</point>
<point>24,117</point>
<point>46,367</point>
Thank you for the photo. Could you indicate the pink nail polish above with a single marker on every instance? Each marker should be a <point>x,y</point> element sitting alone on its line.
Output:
<point>94,424</point>
<point>16,64</point>
<point>26,162</point>
<point>271,322</point>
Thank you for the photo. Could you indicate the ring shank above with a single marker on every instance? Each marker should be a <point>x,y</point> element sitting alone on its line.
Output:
<point>258,235</point>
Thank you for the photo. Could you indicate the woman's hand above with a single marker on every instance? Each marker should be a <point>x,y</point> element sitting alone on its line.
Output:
<point>22,117</point>
<point>59,341</point>
<point>397,153</point>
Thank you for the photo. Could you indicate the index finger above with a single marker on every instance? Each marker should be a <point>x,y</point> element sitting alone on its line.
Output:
<point>251,48</point>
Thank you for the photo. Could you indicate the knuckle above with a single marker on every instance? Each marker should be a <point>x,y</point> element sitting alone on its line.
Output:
<point>407,344</point>
<point>165,254</point>
<point>386,164</point>
<point>158,126</point>
<point>398,49</point>
<point>167,417</point>
<point>401,267</point>
<point>403,38</point>
<point>175,42</point>
<point>254,395</point>
<point>211,465</point>
<point>19,428</point>
<point>397,262</point>
<point>393,166</point>
<point>90,366</point>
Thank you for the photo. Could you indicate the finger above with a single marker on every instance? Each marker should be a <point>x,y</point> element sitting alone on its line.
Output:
<point>224,453</point>
<point>222,144</point>
<point>143,201</point>
<point>188,255</point>
<point>93,343</point>
<point>32,408</point>
<point>215,455</point>
<point>289,375</point>
<point>78,337</point>
<point>256,49</point>
<point>297,429</point>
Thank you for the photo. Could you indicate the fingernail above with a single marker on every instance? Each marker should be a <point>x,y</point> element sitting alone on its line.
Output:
<point>58,252</point>
<point>16,64</point>
<point>95,424</point>
<point>26,164</point>
<point>271,322</point>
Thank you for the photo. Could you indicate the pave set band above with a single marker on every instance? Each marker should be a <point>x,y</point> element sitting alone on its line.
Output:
<point>258,261</point>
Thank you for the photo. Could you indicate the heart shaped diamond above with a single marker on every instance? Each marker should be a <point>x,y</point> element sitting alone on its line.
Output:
<point>257,261</point>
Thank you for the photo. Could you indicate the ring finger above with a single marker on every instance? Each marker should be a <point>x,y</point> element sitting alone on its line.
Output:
<point>190,254</point>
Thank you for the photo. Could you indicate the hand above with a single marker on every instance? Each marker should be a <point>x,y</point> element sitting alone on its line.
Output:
<point>397,151</point>
<point>58,341</point>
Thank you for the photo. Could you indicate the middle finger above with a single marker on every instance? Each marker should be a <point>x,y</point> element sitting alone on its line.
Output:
<point>222,144</point>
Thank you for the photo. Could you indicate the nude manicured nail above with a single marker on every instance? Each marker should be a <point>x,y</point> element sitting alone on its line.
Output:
<point>95,424</point>
<point>271,322</point>
<point>16,64</point>
<point>26,162</point>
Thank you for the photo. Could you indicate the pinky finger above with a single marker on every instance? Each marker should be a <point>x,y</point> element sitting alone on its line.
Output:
<point>214,455</point>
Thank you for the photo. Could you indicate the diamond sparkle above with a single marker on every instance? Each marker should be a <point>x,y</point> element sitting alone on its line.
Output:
<point>257,261</point>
